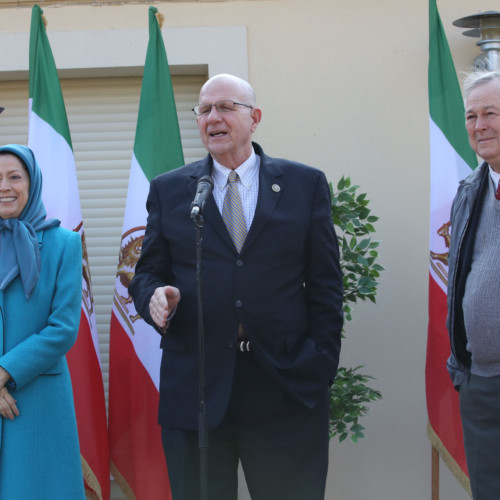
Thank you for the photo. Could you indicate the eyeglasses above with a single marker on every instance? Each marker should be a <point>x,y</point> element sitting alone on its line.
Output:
<point>221,107</point>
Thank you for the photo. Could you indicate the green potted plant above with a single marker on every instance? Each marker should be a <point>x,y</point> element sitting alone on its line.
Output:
<point>350,393</point>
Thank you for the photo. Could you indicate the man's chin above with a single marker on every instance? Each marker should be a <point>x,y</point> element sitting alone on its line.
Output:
<point>218,147</point>
<point>489,156</point>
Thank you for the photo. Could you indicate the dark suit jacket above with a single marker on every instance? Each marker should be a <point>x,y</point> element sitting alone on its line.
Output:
<point>285,287</point>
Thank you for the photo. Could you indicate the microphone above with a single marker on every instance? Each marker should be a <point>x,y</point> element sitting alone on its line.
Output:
<point>203,191</point>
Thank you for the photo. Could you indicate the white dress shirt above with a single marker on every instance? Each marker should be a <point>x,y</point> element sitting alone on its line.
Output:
<point>248,185</point>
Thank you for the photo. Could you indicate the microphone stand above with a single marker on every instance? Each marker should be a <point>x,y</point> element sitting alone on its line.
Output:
<point>198,222</point>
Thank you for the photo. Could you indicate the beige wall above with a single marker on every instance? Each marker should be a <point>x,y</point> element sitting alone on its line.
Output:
<point>343,86</point>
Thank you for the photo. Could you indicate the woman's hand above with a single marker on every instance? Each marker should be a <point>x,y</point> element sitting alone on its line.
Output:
<point>4,377</point>
<point>8,408</point>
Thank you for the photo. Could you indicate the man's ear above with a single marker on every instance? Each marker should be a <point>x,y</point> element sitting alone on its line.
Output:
<point>256,117</point>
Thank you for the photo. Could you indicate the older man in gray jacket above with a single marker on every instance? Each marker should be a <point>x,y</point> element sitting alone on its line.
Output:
<point>474,289</point>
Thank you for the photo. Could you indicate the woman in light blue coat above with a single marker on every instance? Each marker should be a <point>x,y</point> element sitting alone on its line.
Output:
<point>40,307</point>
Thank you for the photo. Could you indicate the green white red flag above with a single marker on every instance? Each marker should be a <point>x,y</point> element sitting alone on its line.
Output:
<point>137,460</point>
<point>49,138</point>
<point>451,160</point>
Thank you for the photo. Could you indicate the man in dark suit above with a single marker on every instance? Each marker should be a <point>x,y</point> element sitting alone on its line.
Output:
<point>272,310</point>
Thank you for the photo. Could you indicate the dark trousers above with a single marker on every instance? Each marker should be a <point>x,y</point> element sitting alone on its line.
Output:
<point>480,412</point>
<point>282,445</point>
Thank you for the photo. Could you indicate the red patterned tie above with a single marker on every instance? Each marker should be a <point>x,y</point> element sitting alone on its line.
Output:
<point>497,195</point>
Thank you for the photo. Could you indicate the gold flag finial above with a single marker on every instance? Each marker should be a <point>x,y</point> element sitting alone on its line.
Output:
<point>160,18</point>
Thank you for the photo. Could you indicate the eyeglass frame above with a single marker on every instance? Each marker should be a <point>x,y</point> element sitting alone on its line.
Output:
<point>194,109</point>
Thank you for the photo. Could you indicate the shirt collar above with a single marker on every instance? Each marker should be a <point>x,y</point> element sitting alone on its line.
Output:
<point>246,172</point>
<point>494,175</point>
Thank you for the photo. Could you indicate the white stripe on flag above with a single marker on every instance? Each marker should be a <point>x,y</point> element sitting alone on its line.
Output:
<point>448,168</point>
<point>60,187</point>
<point>144,337</point>
<point>135,211</point>
<point>58,200</point>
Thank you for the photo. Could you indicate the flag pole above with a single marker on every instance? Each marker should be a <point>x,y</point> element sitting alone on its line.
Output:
<point>138,458</point>
<point>435,474</point>
<point>50,139</point>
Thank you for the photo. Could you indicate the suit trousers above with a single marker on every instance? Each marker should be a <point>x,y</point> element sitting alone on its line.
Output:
<point>281,443</point>
<point>480,412</point>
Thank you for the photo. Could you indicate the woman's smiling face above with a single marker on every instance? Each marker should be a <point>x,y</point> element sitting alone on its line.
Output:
<point>14,186</point>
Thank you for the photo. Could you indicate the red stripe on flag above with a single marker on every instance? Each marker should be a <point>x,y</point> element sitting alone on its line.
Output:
<point>134,433</point>
<point>442,398</point>
<point>90,407</point>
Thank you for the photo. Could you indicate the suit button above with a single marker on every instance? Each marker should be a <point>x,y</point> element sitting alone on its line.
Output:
<point>238,303</point>
<point>239,262</point>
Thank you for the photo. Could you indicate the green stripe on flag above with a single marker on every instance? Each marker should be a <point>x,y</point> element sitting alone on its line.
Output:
<point>445,99</point>
<point>44,87</point>
<point>157,146</point>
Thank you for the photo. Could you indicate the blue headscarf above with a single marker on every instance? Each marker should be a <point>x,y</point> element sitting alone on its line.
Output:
<point>19,252</point>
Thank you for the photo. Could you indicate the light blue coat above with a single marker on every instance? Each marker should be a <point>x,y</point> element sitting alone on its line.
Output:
<point>39,450</point>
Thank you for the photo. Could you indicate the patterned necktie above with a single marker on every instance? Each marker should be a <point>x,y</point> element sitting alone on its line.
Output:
<point>232,212</point>
<point>497,195</point>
